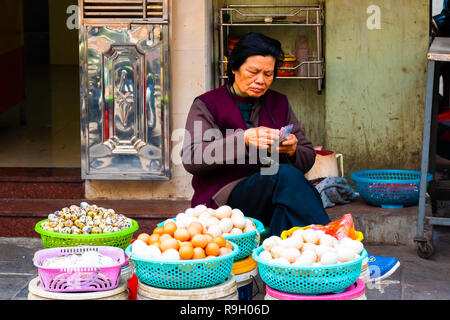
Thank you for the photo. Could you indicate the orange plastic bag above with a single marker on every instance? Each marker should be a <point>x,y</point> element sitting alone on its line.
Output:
<point>342,228</point>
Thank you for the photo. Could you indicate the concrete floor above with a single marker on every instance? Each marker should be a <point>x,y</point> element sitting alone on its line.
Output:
<point>416,279</point>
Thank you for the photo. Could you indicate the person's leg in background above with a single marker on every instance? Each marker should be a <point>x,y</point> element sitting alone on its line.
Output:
<point>281,201</point>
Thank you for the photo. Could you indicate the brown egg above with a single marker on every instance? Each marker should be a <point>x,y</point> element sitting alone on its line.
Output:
<point>153,238</point>
<point>209,237</point>
<point>228,245</point>
<point>185,243</point>
<point>164,236</point>
<point>212,249</point>
<point>193,230</point>
<point>224,251</point>
<point>198,225</point>
<point>182,234</point>
<point>199,253</point>
<point>157,243</point>
<point>221,242</point>
<point>158,230</point>
<point>170,227</point>
<point>186,252</point>
<point>169,244</point>
<point>199,240</point>
<point>144,237</point>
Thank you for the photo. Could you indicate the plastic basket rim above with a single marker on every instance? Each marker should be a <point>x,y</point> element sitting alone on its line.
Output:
<point>257,251</point>
<point>40,267</point>
<point>232,255</point>
<point>287,233</point>
<point>355,176</point>
<point>134,227</point>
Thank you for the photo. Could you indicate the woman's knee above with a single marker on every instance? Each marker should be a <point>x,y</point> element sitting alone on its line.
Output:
<point>289,171</point>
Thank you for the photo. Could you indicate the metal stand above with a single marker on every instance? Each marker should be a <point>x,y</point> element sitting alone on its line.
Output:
<point>439,52</point>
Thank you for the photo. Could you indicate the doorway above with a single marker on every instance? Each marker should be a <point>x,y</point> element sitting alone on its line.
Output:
<point>42,130</point>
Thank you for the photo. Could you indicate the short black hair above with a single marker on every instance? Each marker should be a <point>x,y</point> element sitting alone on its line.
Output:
<point>253,44</point>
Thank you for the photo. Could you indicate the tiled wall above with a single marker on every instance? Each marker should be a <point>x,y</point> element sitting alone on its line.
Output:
<point>190,75</point>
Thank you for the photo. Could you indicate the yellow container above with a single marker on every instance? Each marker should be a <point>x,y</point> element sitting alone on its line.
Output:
<point>243,266</point>
<point>287,233</point>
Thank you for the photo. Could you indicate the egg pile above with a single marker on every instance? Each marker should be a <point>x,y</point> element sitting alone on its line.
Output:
<point>171,242</point>
<point>223,221</point>
<point>309,247</point>
<point>89,259</point>
<point>86,219</point>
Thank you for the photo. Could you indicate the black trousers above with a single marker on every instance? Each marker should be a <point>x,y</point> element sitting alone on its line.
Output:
<point>281,201</point>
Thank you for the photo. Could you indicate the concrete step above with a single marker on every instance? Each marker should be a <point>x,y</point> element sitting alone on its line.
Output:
<point>18,217</point>
<point>41,183</point>
<point>379,226</point>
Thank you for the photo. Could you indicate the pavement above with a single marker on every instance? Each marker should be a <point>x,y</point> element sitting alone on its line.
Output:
<point>416,279</point>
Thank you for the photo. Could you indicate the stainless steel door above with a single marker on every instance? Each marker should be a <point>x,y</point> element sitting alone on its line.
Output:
<point>124,102</point>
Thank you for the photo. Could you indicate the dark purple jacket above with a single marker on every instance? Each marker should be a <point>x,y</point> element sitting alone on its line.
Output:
<point>228,116</point>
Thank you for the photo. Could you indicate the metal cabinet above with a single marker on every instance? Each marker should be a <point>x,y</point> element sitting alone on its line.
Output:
<point>124,90</point>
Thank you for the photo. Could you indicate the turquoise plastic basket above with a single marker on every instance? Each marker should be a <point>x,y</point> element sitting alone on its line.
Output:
<point>389,188</point>
<point>309,280</point>
<point>246,242</point>
<point>183,274</point>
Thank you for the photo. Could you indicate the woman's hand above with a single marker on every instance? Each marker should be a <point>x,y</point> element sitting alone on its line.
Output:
<point>289,145</point>
<point>261,137</point>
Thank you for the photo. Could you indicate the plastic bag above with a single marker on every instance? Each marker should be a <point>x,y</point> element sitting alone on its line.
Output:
<point>342,228</point>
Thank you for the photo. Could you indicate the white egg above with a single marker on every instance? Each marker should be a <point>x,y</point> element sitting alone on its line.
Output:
<point>249,222</point>
<point>290,254</point>
<point>169,220</point>
<point>189,212</point>
<point>320,233</point>
<point>308,246</point>
<point>211,211</point>
<point>226,234</point>
<point>214,230</point>
<point>311,254</point>
<point>277,239</point>
<point>329,258</point>
<point>248,229</point>
<point>303,261</point>
<point>223,212</point>
<point>277,251</point>
<point>346,241</point>
<point>281,261</point>
<point>199,209</point>
<point>310,236</point>
<point>137,246</point>
<point>269,243</point>
<point>357,246</point>
<point>171,254</point>
<point>181,222</point>
<point>179,216</point>
<point>265,255</point>
<point>295,242</point>
<point>226,225</point>
<point>204,216</point>
<point>235,231</point>
<point>345,254</point>
<point>212,221</point>
<point>321,249</point>
<point>298,232</point>
<point>328,240</point>
<point>238,221</point>
<point>238,212</point>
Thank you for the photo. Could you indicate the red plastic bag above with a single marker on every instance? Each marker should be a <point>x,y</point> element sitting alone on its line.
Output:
<point>342,228</point>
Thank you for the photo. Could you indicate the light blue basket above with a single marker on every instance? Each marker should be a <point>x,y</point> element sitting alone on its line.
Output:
<point>389,188</point>
<point>246,242</point>
<point>183,274</point>
<point>309,280</point>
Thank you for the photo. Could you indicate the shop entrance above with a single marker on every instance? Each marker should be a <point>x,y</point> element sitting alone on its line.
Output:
<point>40,121</point>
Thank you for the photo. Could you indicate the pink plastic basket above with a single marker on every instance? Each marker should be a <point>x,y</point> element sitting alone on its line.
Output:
<point>80,279</point>
<point>354,291</point>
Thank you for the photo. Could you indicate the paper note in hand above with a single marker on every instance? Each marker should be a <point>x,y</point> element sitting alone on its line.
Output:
<point>284,132</point>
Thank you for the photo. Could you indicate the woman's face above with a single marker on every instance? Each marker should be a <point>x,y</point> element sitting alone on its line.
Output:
<point>255,76</point>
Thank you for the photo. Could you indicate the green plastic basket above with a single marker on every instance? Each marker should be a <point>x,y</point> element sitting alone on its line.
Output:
<point>120,239</point>
<point>183,274</point>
